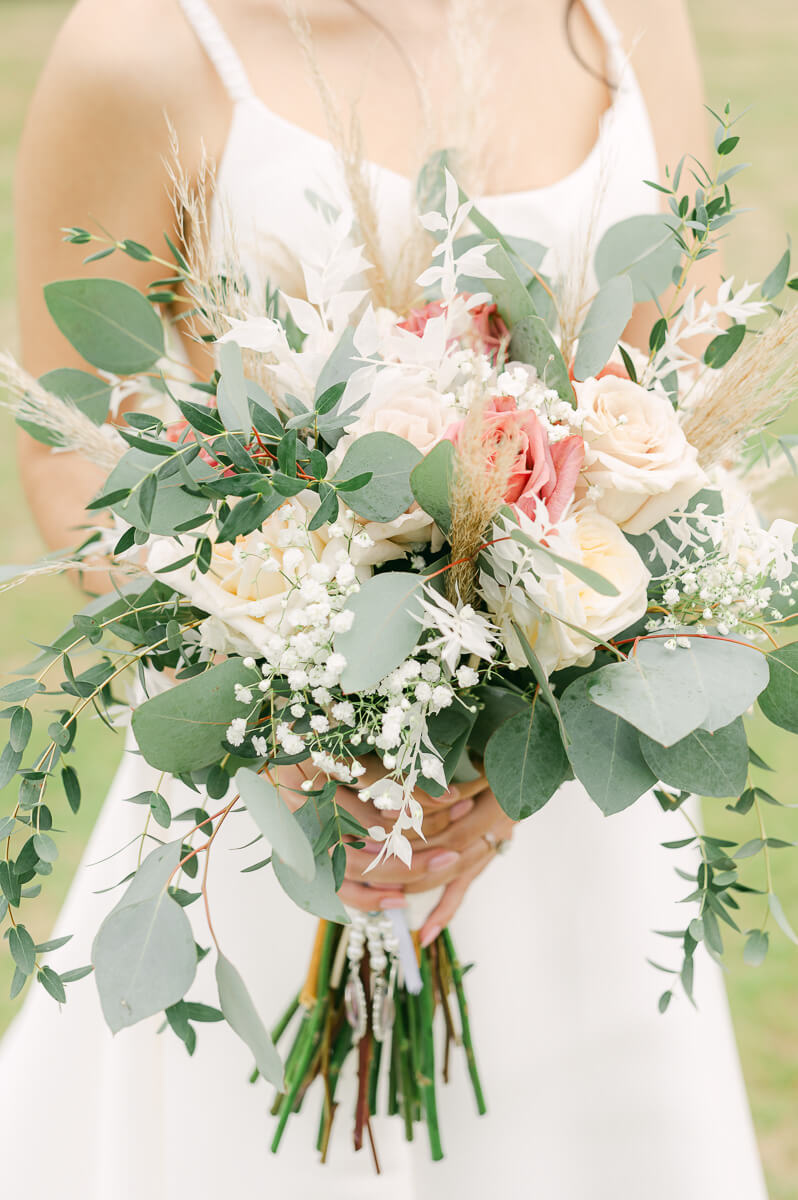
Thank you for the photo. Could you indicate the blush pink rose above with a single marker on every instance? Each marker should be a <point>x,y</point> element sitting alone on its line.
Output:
<point>487,330</point>
<point>542,471</point>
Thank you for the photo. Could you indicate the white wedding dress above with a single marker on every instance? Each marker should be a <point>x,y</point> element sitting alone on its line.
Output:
<point>592,1094</point>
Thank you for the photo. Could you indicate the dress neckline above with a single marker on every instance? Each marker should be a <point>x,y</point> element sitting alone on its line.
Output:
<point>254,103</point>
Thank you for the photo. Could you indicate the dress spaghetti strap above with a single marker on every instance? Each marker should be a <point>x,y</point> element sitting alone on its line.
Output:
<point>219,49</point>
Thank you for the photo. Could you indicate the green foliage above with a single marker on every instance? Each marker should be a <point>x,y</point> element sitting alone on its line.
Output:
<point>109,323</point>
<point>232,400</point>
<point>183,729</point>
<point>90,395</point>
<point>388,461</point>
<point>525,761</point>
<point>385,629</point>
<point>144,956</point>
<point>779,700</point>
<point>604,751</point>
<point>604,324</point>
<point>707,764</point>
<point>641,248</point>
<point>276,823</point>
<point>241,1015</point>
<point>431,481</point>
<point>715,681</point>
<point>532,343</point>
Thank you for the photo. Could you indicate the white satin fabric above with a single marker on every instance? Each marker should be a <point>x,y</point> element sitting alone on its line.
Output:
<point>592,1094</point>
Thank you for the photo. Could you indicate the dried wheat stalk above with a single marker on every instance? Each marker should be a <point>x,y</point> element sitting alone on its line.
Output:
<point>72,430</point>
<point>481,475</point>
<point>744,397</point>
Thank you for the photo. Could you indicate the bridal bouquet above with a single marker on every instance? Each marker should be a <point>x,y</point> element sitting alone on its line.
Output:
<point>394,547</point>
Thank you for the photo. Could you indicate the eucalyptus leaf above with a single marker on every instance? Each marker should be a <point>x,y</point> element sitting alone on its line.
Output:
<point>108,322</point>
<point>507,289</point>
<point>532,343</point>
<point>604,751</point>
<point>183,729</point>
<point>715,681</point>
<point>643,248</point>
<point>704,763</point>
<point>525,761</point>
<point>172,506</point>
<point>232,398</point>
<point>604,324</point>
<point>90,395</point>
<point>318,895</point>
<point>242,1017</point>
<point>144,955</point>
<point>276,822</point>
<point>389,459</point>
<point>386,628</point>
<point>779,700</point>
<point>431,481</point>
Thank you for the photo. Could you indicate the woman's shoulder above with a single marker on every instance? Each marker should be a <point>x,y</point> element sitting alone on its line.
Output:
<point>117,66</point>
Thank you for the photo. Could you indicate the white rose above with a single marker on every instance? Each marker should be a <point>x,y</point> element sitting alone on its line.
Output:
<point>248,589</point>
<point>595,542</point>
<point>636,455</point>
<point>413,411</point>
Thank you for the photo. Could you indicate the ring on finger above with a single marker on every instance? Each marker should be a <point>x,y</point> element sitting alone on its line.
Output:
<point>498,845</point>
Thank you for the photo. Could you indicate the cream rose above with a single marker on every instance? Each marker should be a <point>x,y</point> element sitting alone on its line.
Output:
<point>534,604</point>
<point>249,589</point>
<point>636,455</point>
<point>413,411</point>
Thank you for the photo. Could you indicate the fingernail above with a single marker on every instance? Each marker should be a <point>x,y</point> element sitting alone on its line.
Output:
<point>391,902</point>
<point>429,937</point>
<point>445,858</point>
<point>461,808</point>
<point>451,794</point>
<point>370,846</point>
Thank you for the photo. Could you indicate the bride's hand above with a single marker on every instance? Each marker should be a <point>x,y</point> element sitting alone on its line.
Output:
<point>462,829</point>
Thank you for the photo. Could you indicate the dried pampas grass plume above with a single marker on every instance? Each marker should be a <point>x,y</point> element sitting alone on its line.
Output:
<point>746,395</point>
<point>472,133</point>
<point>481,474</point>
<point>350,150</point>
<point>29,401</point>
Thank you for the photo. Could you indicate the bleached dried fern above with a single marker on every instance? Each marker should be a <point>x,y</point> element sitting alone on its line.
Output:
<point>25,397</point>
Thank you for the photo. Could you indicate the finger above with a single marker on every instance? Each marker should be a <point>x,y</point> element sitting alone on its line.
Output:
<point>475,857</point>
<point>447,906</point>
<point>393,872</point>
<point>359,895</point>
<point>485,817</point>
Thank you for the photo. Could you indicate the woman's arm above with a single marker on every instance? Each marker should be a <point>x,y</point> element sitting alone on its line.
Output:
<point>662,50</point>
<point>91,154</point>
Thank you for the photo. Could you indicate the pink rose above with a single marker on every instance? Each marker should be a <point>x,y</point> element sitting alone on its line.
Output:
<point>542,471</point>
<point>487,331</point>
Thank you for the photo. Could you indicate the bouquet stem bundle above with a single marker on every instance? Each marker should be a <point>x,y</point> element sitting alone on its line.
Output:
<point>392,1040</point>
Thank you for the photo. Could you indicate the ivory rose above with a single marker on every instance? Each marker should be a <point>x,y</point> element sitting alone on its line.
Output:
<point>416,412</point>
<point>636,456</point>
<point>248,583</point>
<point>534,601</point>
<point>542,471</point>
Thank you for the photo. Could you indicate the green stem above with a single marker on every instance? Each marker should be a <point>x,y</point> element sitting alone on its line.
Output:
<point>280,1028</point>
<point>311,1033</point>
<point>462,1004</point>
<point>403,1055</point>
<point>426,1012</point>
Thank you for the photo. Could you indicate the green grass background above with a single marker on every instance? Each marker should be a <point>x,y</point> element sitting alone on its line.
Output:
<point>749,52</point>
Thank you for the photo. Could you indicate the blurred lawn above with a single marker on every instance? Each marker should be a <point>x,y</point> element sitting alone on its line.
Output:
<point>749,55</point>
